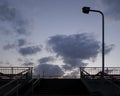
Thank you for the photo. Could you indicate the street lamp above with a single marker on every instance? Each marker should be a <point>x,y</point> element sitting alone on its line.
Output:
<point>86,10</point>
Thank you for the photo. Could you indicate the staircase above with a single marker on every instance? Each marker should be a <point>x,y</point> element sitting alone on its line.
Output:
<point>61,87</point>
<point>38,87</point>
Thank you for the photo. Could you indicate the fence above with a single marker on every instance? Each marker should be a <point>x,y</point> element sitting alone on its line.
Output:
<point>97,71</point>
<point>26,72</point>
<point>15,72</point>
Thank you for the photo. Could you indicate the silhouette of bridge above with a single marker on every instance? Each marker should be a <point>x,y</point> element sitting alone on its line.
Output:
<point>19,81</point>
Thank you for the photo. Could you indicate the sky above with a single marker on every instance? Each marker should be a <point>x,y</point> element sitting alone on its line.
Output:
<point>55,37</point>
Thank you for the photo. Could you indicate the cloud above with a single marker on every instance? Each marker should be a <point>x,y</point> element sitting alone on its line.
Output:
<point>112,8</point>
<point>28,63</point>
<point>71,63</point>
<point>9,46</point>
<point>20,60</point>
<point>11,17</point>
<point>74,48</point>
<point>109,48</point>
<point>48,70</point>
<point>46,59</point>
<point>6,13</point>
<point>21,42</point>
<point>17,44</point>
<point>81,46</point>
<point>73,74</point>
<point>29,50</point>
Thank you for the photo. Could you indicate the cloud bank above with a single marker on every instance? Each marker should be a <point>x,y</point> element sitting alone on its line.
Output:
<point>31,50</point>
<point>11,19</point>
<point>45,60</point>
<point>45,69</point>
<point>28,63</point>
<point>74,48</point>
<point>48,70</point>
<point>19,43</point>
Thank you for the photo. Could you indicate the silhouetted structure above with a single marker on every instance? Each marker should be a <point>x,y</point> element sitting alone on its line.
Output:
<point>86,10</point>
<point>90,83</point>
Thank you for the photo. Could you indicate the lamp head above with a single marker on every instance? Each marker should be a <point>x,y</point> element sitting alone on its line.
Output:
<point>86,10</point>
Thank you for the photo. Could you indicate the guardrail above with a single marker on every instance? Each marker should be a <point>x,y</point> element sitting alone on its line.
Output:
<point>93,72</point>
<point>15,72</point>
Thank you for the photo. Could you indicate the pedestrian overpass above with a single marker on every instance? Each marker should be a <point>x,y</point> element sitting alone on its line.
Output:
<point>19,81</point>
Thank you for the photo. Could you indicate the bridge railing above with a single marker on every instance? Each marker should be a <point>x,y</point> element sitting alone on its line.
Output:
<point>15,72</point>
<point>92,72</point>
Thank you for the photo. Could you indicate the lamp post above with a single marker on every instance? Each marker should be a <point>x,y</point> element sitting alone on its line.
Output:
<point>86,10</point>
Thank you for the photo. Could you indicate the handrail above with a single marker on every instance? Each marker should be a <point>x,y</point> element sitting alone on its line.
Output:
<point>84,71</point>
<point>96,72</point>
<point>36,82</point>
<point>109,70</point>
<point>7,84</point>
<point>12,90</point>
<point>2,88</point>
<point>11,70</point>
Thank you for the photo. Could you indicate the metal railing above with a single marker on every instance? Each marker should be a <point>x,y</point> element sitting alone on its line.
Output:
<point>91,72</point>
<point>9,88</point>
<point>15,72</point>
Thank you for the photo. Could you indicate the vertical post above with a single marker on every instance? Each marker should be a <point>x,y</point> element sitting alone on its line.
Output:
<point>31,68</point>
<point>80,72</point>
<point>103,44</point>
<point>11,77</point>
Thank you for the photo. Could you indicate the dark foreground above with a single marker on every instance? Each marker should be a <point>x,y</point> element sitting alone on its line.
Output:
<point>43,87</point>
<point>18,81</point>
<point>59,87</point>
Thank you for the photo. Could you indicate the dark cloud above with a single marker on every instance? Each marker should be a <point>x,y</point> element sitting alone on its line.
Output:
<point>29,50</point>
<point>46,59</point>
<point>17,44</point>
<point>71,63</point>
<point>9,46</point>
<point>12,17</point>
<point>48,70</point>
<point>28,63</point>
<point>6,12</point>
<point>108,48</point>
<point>112,8</point>
<point>82,46</point>
<point>21,42</point>
<point>74,48</point>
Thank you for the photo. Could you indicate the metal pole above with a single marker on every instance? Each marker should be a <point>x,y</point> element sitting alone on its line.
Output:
<point>103,40</point>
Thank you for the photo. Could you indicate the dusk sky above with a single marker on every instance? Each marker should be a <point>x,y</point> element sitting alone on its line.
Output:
<point>56,37</point>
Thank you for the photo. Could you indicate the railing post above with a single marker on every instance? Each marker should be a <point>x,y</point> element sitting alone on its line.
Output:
<point>11,77</point>
<point>31,68</point>
<point>80,72</point>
